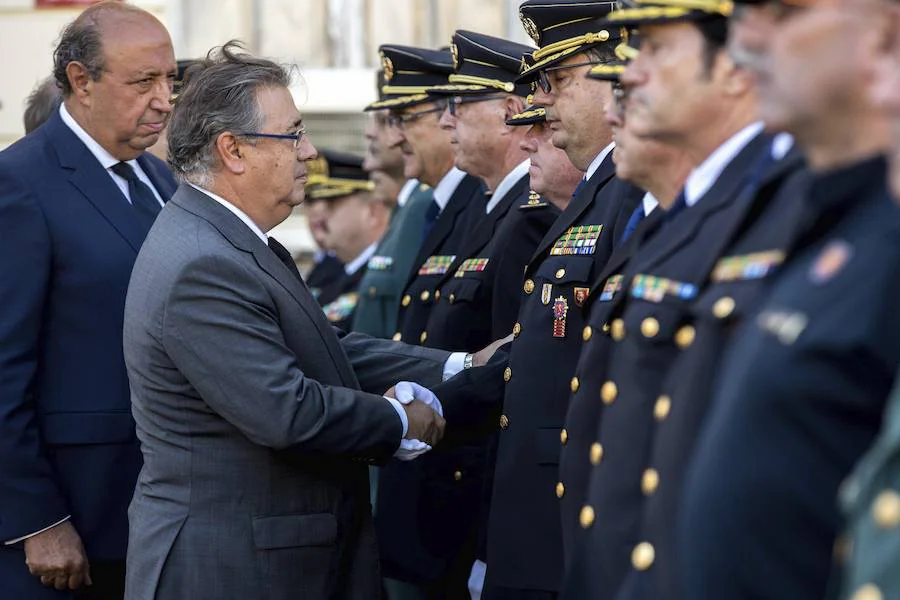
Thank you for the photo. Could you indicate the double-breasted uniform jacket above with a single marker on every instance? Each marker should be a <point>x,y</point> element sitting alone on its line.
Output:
<point>800,398</point>
<point>438,251</point>
<point>523,540</point>
<point>649,324</point>
<point>388,269</point>
<point>736,286</point>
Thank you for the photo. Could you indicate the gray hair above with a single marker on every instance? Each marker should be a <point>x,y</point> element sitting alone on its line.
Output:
<point>219,95</point>
<point>42,101</point>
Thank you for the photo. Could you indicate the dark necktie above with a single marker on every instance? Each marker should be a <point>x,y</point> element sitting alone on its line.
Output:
<point>579,187</point>
<point>144,203</point>
<point>679,205</point>
<point>431,216</point>
<point>636,217</point>
<point>284,256</point>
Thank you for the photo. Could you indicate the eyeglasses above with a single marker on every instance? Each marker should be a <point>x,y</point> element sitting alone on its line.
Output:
<point>297,137</point>
<point>401,120</point>
<point>544,81</point>
<point>455,101</point>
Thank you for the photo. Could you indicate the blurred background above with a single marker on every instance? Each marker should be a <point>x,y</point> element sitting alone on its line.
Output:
<point>333,42</point>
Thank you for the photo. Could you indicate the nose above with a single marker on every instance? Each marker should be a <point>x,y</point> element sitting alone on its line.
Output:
<point>306,150</point>
<point>529,142</point>
<point>542,98</point>
<point>162,97</point>
<point>393,136</point>
<point>447,121</point>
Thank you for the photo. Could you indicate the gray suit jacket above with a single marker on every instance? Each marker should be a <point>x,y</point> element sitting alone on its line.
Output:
<point>255,435</point>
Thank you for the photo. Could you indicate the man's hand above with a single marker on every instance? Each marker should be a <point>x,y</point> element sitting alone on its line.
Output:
<point>480,358</point>
<point>424,423</point>
<point>57,557</point>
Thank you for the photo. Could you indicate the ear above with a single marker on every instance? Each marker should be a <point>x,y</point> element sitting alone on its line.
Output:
<point>735,80</point>
<point>228,149</point>
<point>80,81</point>
<point>513,106</point>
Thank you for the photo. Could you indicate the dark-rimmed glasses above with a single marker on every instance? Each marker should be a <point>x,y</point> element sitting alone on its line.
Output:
<point>543,80</point>
<point>296,137</point>
<point>399,121</point>
<point>455,101</point>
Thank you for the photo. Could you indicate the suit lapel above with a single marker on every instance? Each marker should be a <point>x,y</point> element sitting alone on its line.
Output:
<point>580,203</point>
<point>724,192</point>
<point>93,181</point>
<point>240,236</point>
<point>163,183</point>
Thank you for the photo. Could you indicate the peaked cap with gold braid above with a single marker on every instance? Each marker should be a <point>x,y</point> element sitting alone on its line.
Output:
<point>408,73</point>
<point>483,64</point>
<point>563,28</point>
<point>334,175</point>
<point>625,52</point>
<point>651,12</point>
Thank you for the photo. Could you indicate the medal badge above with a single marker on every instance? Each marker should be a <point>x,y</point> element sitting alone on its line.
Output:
<point>546,291</point>
<point>560,310</point>
<point>581,294</point>
<point>831,260</point>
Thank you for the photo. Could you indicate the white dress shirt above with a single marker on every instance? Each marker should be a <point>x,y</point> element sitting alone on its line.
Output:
<point>595,164</point>
<point>107,160</point>
<point>511,179</point>
<point>406,191</point>
<point>649,203</point>
<point>703,177</point>
<point>354,265</point>
<point>448,184</point>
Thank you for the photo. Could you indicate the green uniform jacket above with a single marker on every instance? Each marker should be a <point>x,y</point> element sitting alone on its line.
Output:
<point>388,269</point>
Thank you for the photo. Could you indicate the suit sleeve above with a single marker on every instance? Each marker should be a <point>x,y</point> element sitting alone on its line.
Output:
<point>30,499</point>
<point>257,385</point>
<point>379,364</point>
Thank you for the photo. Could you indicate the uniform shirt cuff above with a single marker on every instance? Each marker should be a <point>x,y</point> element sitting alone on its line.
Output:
<point>25,537</point>
<point>454,364</point>
<point>401,413</point>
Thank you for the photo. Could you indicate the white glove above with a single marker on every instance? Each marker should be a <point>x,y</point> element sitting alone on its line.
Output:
<point>476,579</point>
<point>406,392</point>
<point>410,449</point>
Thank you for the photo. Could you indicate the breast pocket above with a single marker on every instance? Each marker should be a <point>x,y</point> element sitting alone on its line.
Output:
<point>461,290</point>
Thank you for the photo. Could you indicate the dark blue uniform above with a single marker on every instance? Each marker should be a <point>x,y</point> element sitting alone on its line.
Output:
<point>800,398</point>
<point>524,548</point>
<point>338,298</point>
<point>649,325</point>
<point>324,273</point>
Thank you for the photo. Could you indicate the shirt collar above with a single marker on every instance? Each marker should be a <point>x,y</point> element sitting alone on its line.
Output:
<point>105,159</point>
<point>406,191</point>
<point>703,177</point>
<point>595,164</point>
<point>511,179</point>
<point>448,184</point>
<point>781,145</point>
<point>354,265</point>
<point>649,203</point>
<point>237,212</point>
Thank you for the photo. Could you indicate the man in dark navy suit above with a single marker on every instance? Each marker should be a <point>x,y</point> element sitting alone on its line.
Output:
<point>77,198</point>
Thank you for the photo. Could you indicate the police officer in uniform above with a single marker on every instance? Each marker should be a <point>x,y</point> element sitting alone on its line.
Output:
<point>804,384</point>
<point>354,223</point>
<point>382,286</point>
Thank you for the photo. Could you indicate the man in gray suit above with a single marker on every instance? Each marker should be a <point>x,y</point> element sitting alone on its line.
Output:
<point>255,434</point>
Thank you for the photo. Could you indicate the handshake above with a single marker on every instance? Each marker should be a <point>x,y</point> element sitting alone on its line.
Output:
<point>424,415</point>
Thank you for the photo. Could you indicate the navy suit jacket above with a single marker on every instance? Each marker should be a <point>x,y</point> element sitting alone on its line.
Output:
<point>67,440</point>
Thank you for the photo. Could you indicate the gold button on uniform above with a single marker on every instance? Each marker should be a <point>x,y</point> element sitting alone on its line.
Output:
<point>684,337</point>
<point>397,337</point>
<point>662,407</point>
<point>575,384</point>
<point>723,307</point>
<point>504,421</point>
<point>517,329</point>
<point>642,556</point>
<point>618,330</point>
<point>529,286</point>
<point>372,292</point>
<point>606,328</point>
<point>437,295</point>
<point>609,392</point>
<point>868,592</point>
<point>560,273</point>
<point>650,481</point>
<point>886,509</point>
<point>587,333</point>
<point>587,516</point>
<point>406,300</point>
<point>560,490</point>
<point>563,437</point>
<point>423,337</point>
<point>649,327</point>
<point>457,475</point>
<point>451,298</point>
<point>425,296</point>
<point>596,453</point>
<point>507,374</point>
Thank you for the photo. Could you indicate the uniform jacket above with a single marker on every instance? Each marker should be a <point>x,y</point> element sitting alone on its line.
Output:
<point>67,441</point>
<point>255,481</point>
<point>800,398</point>
<point>388,269</point>
<point>324,273</point>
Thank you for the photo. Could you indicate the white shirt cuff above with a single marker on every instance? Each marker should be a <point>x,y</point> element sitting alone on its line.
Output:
<point>25,537</point>
<point>454,364</point>
<point>476,579</point>
<point>401,412</point>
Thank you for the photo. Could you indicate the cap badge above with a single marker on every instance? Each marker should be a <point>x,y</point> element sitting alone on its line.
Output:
<point>388,67</point>
<point>530,28</point>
